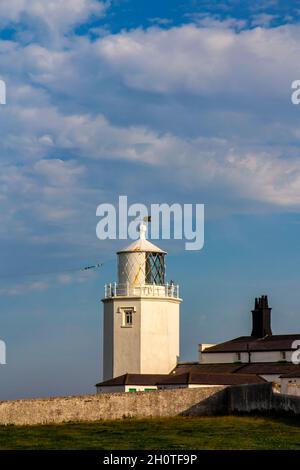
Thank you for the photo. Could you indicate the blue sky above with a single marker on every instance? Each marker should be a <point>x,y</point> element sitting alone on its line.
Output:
<point>165,101</point>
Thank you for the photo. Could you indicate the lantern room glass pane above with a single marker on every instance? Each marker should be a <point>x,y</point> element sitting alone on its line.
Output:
<point>155,268</point>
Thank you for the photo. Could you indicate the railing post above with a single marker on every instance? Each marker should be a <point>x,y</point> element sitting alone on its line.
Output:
<point>167,289</point>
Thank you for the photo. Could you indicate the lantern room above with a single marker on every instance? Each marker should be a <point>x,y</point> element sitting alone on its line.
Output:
<point>142,270</point>
<point>141,262</point>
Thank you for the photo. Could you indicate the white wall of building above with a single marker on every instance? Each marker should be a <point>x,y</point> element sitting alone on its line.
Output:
<point>140,388</point>
<point>202,347</point>
<point>112,389</point>
<point>126,388</point>
<point>121,343</point>
<point>150,345</point>
<point>232,357</point>
<point>159,335</point>
<point>215,358</point>
<point>108,328</point>
<point>290,386</point>
<point>271,377</point>
<point>271,356</point>
<point>187,386</point>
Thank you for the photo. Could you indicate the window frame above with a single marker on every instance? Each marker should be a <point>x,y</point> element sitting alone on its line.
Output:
<point>127,313</point>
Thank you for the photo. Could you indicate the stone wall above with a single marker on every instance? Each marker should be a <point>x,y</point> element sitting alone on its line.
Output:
<point>160,403</point>
<point>198,401</point>
<point>260,398</point>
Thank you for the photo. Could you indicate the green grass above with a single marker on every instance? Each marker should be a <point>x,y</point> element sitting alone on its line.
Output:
<point>219,432</point>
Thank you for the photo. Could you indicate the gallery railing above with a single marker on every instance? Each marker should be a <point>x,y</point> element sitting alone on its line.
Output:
<point>145,290</point>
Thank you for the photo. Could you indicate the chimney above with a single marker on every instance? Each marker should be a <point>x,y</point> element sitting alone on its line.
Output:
<point>261,318</point>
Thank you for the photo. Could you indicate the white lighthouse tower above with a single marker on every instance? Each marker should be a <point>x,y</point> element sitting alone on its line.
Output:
<point>141,314</point>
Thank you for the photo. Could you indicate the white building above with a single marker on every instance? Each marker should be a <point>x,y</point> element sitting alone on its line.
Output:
<point>260,347</point>
<point>141,314</point>
<point>151,382</point>
<point>131,383</point>
<point>290,383</point>
<point>141,336</point>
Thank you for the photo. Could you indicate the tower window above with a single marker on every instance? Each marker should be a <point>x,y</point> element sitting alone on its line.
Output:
<point>155,268</point>
<point>128,317</point>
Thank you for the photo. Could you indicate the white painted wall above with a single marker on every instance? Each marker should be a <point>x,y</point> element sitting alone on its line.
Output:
<point>270,356</point>
<point>159,334</point>
<point>140,388</point>
<point>163,387</point>
<point>114,389</point>
<point>217,358</point>
<point>230,357</point>
<point>108,340</point>
<point>290,386</point>
<point>121,344</point>
<point>271,377</point>
<point>202,386</point>
<point>150,345</point>
<point>202,347</point>
<point>126,388</point>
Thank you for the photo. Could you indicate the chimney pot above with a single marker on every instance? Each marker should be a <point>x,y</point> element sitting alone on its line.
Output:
<point>261,318</point>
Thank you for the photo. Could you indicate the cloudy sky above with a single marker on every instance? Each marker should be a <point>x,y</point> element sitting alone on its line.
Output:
<point>164,101</point>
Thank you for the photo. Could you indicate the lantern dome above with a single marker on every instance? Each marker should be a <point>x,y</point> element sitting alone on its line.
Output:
<point>141,262</point>
<point>141,244</point>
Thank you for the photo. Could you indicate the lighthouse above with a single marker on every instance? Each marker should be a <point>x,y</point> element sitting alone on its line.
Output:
<point>141,313</point>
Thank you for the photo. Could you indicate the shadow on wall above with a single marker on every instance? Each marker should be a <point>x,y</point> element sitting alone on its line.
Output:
<point>260,398</point>
<point>212,405</point>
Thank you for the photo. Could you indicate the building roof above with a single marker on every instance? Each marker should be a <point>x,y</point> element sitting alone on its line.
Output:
<point>256,368</point>
<point>133,379</point>
<point>295,374</point>
<point>191,378</point>
<point>270,368</point>
<point>250,343</point>
<point>206,368</point>
<point>209,374</point>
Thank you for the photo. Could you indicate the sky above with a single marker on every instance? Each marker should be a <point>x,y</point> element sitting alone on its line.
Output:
<point>163,101</point>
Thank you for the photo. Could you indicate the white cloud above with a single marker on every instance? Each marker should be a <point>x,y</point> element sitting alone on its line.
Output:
<point>25,287</point>
<point>62,125</point>
<point>263,19</point>
<point>38,284</point>
<point>59,173</point>
<point>204,59</point>
<point>57,16</point>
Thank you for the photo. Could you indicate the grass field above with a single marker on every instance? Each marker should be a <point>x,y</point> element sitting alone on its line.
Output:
<point>227,432</point>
